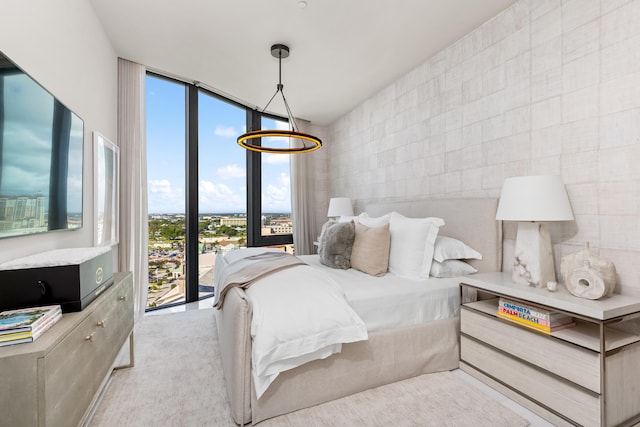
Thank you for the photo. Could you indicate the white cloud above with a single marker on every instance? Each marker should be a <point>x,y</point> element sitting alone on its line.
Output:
<point>164,198</point>
<point>285,180</point>
<point>219,198</point>
<point>277,196</point>
<point>231,171</point>
<point>227,131</point>
<point>274,159</point>
<point>160,186</point>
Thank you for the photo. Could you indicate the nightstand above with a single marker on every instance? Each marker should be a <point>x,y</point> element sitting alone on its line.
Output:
<point>588,374</point>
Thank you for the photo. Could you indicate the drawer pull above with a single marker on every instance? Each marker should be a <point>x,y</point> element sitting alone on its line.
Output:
<point>122,298</point>
<point>89,338</point>
<point>101,323</point>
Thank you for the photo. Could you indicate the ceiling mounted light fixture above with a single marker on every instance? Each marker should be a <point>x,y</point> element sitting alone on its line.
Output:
<point>253,140</point>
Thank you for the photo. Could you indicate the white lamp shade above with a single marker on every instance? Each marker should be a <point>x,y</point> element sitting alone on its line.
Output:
<point>534,198</point>
<point>339,206</point>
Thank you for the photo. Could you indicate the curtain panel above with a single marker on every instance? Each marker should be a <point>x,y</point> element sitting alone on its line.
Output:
<point>133,251</point>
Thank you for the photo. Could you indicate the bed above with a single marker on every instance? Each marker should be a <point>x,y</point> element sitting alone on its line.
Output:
<point>388,355</point>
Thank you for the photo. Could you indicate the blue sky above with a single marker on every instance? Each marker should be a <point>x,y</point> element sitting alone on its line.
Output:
<point>222,174</point>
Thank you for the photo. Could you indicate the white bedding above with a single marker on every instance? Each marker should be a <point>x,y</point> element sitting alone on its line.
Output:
<point>390,301</point>
<point>299,315</point>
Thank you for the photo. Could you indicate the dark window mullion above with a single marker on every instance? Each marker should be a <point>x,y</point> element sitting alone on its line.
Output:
<point>254,185</point>
<point>191,179</point>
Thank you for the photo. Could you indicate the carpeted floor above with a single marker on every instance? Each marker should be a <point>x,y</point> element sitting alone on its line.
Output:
<point>177,381</point>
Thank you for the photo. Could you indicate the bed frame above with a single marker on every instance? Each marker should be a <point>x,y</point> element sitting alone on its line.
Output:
<point>387,356</point>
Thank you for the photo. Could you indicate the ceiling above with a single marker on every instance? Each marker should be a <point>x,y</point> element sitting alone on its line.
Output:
<point>342,51</point>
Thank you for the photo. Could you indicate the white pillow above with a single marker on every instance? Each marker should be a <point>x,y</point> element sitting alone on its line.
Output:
<point>365,219</point>
<point>451,268</point>
<point>412,241</point>
<point>450,248</point>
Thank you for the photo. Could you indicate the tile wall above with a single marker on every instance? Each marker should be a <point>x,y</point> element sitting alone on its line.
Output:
<point>545,87</point>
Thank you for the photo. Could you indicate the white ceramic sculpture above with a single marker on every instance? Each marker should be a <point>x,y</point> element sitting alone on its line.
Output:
<point>588,276</point>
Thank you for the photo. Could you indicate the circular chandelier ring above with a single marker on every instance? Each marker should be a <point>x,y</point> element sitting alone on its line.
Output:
<point>245,139</point>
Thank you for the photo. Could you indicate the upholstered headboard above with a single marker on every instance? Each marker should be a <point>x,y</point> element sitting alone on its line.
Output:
<point>472,220</point>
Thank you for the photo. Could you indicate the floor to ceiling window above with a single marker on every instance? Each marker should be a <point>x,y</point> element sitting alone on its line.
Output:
<point>207,194</point>
<point>166,190</point>
<point>222,184</point>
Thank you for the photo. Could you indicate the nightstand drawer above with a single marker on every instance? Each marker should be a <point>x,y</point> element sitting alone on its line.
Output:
<point>575,402</point>
<point>566,360</point>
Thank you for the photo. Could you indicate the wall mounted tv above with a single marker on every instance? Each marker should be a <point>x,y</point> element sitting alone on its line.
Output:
<point>41,153</point>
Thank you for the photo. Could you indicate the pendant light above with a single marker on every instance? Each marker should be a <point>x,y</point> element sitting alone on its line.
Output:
<point>253,140</point>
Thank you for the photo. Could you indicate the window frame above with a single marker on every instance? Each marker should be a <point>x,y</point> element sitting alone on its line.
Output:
<point>253,182</point>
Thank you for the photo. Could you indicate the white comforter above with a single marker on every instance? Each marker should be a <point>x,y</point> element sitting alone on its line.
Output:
<point>299,315</point>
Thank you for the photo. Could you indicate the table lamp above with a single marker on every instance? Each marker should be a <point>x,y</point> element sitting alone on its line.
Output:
<point>532,200</point>
<point>339,206</point>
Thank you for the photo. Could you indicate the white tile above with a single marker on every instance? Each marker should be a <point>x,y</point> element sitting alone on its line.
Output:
<point>472,134</point>
<point>546,113</point>
<point>607,6</point>
<point>621,58</point>
<point>619,198</point>
<point>497,127</point>
<point>542,7</point>
<point>453,140</point>
<point>493,152</point>
<point>580,104</point>
<point>620,232</point>
<point>620,129</point>
<point>581,41</point>
<point>579,12</point>
<point>546,27</point>
<point>547,56</point>
<point>619,164</point>
<point>518,69</point>
<point>620,94</point>
<point>546,84</point>
<point>580,167</point>
<point>621,23</point>
<point>581,135</point>
<point>581,73</point>
<point>516,43</point>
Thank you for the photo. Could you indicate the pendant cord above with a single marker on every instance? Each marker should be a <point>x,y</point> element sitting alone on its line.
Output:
<point>279,88</point>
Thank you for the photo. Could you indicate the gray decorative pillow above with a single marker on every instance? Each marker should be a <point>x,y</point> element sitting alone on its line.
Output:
<point>336,241</point>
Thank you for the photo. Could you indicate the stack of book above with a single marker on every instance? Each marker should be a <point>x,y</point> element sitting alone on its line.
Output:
<point>534,317</point>
<point>27,324</point>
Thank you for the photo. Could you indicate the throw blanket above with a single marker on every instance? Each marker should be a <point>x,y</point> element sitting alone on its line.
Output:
<point>245,271</point>
<point>298,315</point>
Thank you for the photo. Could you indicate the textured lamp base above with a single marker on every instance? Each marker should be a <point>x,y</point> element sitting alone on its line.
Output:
<point>533,256</point>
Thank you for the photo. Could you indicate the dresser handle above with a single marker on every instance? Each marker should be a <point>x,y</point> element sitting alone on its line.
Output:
<point>101,323</point>
<point>122,298</point>
<point>89,337</point>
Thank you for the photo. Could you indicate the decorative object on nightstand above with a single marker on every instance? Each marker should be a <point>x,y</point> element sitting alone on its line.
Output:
<point>587,275</point>
<point>532,200</point>
<point>339,206</point>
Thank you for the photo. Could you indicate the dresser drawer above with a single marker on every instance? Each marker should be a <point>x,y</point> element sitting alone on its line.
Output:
<point>113,321</point>
<point>573,401</point>
<point>67,374</point>
<point>570,361</point>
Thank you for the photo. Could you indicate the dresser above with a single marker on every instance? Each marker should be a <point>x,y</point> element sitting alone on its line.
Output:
<point>55,380</point>
<point>588,374</point>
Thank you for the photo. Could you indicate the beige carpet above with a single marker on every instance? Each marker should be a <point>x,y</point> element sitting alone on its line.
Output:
<point>177,381</point>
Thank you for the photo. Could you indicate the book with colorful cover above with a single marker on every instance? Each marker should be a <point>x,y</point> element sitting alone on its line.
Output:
<point>27,319</point>
<point>29,336</point>
<point>534,325</point>
<point>533,314</point>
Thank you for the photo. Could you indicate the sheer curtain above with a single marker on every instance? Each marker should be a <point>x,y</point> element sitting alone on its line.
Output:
<point>303,197</point>
<point>133,253</point>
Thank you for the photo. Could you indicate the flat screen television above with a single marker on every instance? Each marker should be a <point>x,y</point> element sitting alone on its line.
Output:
<point>41,154</point>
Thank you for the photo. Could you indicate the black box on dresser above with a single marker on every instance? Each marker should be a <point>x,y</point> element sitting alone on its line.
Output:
<point>70,277</point>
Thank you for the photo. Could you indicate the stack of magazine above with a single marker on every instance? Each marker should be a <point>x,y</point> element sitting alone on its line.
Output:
<point>534,317</point>
<point>27,324</point>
